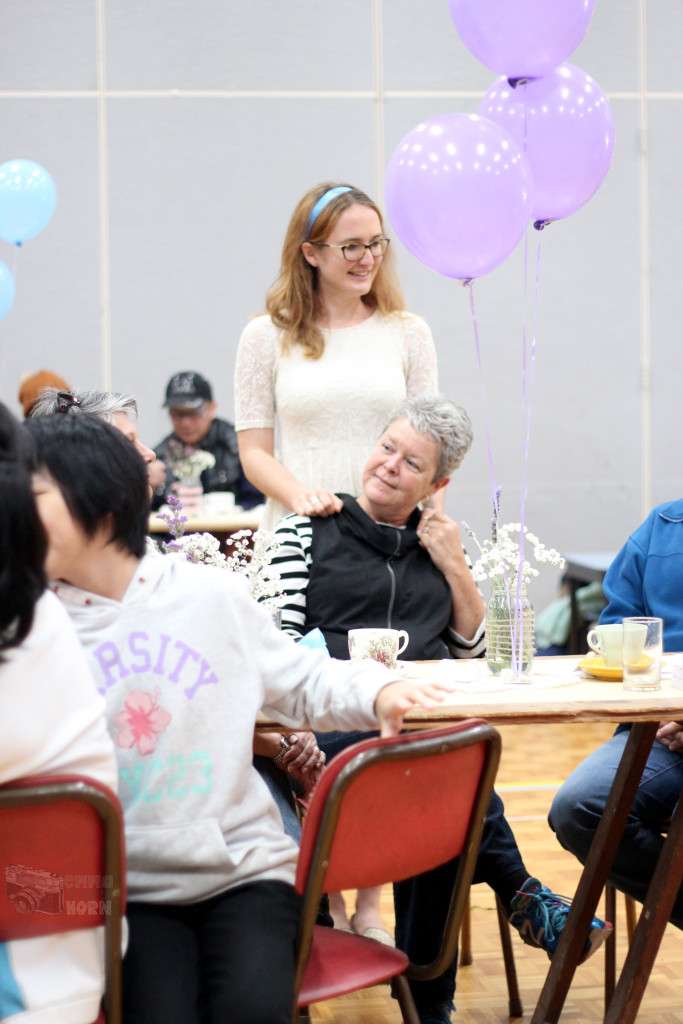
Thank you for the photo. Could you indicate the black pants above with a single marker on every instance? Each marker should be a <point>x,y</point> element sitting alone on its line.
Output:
<point>226,960</point>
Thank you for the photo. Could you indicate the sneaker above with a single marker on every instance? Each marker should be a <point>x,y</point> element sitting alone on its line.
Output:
<point>539,916</point>
<point>439,1013</point>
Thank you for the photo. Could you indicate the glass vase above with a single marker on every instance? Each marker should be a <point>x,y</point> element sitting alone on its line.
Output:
<point>509,630</point>
<point>191,493</point>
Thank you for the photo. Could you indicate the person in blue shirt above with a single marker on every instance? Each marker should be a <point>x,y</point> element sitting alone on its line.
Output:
<point>646,578</point>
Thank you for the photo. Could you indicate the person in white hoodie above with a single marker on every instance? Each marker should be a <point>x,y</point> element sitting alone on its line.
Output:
<point>52,723</point>
<point>186,659</point>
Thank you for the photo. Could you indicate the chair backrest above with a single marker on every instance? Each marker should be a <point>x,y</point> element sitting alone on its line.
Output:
<point>389,809</point>
<point>62,865</point>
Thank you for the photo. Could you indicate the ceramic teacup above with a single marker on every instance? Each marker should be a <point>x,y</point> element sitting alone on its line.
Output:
<point>383,645</point>
<point>219,503</point>
<point>608,640</point>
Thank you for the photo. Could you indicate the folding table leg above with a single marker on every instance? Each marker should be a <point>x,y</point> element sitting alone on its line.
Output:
<point>592,882</point>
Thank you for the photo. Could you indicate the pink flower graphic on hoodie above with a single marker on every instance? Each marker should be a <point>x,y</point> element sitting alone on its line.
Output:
<point>141,721</point>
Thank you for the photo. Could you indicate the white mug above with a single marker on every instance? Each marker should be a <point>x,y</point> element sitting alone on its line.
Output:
<point>383,645</point>
<point>608,640</point>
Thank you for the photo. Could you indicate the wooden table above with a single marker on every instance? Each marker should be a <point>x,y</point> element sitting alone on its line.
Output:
<point>222,527</point>
<point>591,701</point>
<point>579,699</point>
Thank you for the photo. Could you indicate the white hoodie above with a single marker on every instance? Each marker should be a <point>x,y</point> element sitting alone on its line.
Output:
<point>186,661</point>
<point>52,722</point>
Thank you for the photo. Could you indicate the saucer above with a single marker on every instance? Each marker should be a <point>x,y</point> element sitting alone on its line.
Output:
<point>594,665</point>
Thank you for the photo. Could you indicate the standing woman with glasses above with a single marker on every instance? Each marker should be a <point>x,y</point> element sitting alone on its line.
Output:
<point>318,375</point>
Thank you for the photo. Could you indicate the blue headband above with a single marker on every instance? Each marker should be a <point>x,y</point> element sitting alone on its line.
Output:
<point>323,201</point>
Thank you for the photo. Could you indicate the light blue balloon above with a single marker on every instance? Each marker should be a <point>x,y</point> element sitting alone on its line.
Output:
<point>6,290</point>
<point>27,200</point>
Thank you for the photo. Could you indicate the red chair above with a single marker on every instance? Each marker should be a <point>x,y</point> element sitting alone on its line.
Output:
<point>63,866</point>
<point>385,810</point>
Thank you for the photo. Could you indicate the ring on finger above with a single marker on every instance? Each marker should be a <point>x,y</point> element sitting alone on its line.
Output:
<point>315,500</point>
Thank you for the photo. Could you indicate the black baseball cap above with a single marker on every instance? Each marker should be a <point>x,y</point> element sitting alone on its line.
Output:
<point>187,390</point>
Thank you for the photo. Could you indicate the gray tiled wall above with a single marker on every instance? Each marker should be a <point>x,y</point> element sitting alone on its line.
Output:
<point>180,133</point>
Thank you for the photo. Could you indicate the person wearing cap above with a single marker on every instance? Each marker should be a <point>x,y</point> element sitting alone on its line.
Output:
<point>334,354</point>
<point>191,406</point>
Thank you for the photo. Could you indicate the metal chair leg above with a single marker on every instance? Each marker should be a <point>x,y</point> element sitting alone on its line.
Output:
<point>611,946</point>
<point>466,938</point>
<point>514,1000</point>
<point>631,917</point>
<point>401,990</point>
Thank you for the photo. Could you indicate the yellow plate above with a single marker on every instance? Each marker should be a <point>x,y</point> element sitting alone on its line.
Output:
<point>594,665</point>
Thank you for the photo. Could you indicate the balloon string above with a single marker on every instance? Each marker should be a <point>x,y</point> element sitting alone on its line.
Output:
<point>527,388</point>
<point>492,476</point>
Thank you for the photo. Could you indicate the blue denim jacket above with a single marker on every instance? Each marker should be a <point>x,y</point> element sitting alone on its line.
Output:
<point>646,577</point>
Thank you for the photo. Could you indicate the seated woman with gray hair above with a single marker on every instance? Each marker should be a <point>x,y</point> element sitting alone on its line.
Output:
<point>114,408</point>
<point>388,559</point>
<point>383,561</point>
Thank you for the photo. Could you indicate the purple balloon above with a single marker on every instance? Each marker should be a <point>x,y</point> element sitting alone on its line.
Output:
<point>458,193</point>
<point>564,125</point>
<point>521,38</point>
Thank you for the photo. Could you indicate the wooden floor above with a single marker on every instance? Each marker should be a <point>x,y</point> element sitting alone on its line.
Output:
<point>535,761</point>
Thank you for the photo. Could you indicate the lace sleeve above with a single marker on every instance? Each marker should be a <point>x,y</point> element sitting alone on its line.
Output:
<point>255,375</point>
<point>420,357</point>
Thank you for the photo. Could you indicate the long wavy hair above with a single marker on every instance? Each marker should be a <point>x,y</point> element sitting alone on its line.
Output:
<point>23,544</point>
<point>293,301</point>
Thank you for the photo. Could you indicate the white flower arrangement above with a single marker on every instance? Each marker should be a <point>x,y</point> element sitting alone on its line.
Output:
<point>502,558</point>
<point>254,562</point>
<point>189,463</point>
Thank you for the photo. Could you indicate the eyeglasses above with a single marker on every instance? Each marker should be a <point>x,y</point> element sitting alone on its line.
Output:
<point>65,399</point>
<point>354,251</point>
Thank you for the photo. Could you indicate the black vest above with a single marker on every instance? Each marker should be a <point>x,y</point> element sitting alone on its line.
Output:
<point>364,574</point>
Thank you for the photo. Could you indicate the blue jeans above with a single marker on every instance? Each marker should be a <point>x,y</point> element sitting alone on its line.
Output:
<point>579,803</point>
<point>421,903</point>
<point>280,787</point>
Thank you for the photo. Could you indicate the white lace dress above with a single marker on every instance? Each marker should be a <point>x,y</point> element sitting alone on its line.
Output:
<point>329,412</point>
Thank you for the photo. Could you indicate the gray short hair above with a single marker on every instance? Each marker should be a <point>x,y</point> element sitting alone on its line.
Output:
<point>102,404</point>
<point>445,422</point>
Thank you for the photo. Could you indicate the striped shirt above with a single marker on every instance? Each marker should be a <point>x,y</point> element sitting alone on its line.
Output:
<point>293,562</point>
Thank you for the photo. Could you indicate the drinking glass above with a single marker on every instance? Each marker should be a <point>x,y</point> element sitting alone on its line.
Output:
<point>642,653</point>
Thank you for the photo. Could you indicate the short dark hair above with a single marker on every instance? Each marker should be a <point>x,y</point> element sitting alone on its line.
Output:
<point>99,473</point>
<point>22,539</point>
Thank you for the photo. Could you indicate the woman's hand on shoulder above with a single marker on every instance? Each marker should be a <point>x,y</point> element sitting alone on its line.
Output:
<point>316,502</point>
